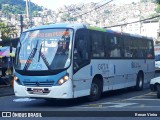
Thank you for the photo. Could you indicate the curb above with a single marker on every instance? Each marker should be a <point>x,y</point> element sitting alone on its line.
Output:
<point>2,86</point>
<point>7,95</point>
<point>6,90</point>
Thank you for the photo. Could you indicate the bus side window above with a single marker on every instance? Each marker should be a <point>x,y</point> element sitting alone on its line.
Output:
<point>97,41</point>
<point>150,53</point>
<point>114,47</point>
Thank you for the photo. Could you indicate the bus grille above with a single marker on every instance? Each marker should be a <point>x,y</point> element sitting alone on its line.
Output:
<point>40,84</point>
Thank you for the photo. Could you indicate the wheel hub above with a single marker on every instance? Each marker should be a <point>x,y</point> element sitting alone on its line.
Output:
<point>94,89</point>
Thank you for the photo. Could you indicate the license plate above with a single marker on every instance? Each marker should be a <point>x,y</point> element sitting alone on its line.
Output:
<point>37,91</point>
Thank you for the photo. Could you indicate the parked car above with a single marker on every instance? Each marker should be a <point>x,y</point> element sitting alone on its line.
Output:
<point>157,62</point>
<point>155,85</point>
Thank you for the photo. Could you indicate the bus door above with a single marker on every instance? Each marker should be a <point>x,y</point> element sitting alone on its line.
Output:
<point>115,60</point>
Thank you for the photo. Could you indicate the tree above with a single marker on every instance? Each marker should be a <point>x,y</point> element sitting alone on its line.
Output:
<point>154,1</point>
<point>158,1</point>
<point>158,8</point>
<point>7,31</point>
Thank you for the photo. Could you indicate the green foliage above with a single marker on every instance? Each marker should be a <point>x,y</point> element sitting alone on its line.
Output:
<point>158,8</point>
<point>107,12</point>
<point>17,6</point>
<point>148,1</point>
<point>158,1</point>
<point>6,31</point>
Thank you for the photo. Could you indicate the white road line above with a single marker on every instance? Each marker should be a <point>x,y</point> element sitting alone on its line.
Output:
<point>118,105</point>
<point>110,104</point>
<point>144,99</point>
<point>140,96</point>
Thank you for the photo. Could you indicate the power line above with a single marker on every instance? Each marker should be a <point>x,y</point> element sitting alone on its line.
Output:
<point>75,9</point>
<point>133,22</point>
<point>93,9</point>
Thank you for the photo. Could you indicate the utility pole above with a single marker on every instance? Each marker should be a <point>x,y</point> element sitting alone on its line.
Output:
<point>140,18</point>
<point>28,12</point>
<point>0,36</point>
<point>21,23</point>
<point>158,33</point>
<point>27,9</point>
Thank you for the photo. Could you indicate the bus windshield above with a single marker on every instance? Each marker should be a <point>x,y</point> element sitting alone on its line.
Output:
<point>44,49</point>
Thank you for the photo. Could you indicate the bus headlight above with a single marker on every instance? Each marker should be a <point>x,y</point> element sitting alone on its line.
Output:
<point>63,80</point>
<point>15,78</point>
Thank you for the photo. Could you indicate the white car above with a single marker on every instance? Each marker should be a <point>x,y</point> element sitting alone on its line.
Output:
<point>155,85</point>
<point>157,65</point>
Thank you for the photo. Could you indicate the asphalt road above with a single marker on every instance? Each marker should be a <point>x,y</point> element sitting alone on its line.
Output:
<point>120,104</point>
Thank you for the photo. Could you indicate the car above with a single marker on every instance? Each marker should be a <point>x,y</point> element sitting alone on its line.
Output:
<point>155,85</point>
<point>157,65</point>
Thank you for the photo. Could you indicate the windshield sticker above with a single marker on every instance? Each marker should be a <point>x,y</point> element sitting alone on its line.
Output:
<point>49,35</point>
<point>24,61</point>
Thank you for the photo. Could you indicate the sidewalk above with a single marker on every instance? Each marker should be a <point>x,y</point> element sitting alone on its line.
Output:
<point>5,87</point>
<point>6,90</point>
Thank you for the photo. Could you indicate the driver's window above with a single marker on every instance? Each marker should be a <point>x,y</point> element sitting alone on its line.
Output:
<point>80,49</point>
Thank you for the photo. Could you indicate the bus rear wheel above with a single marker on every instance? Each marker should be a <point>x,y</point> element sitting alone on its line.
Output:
<point>139,83</point>
<point>95,90</point>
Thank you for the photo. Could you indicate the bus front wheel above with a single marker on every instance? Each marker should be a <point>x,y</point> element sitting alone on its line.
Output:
<point>139,83</point>
<point>95,90</point>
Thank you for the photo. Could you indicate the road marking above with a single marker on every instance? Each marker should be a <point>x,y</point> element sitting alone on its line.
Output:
<point>150,94</point>
<point>123,102</point>
<point>144,99</point>
<point>108,104</point>
<point>23,100</point>
<point>118,105</point>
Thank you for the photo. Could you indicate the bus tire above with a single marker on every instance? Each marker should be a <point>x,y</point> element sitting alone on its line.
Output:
<point>139,83</point>
<point>95,90</point>
<point>158,91</point>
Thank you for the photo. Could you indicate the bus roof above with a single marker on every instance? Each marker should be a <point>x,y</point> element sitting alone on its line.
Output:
<point>58,25</point>
<point>80,25</point>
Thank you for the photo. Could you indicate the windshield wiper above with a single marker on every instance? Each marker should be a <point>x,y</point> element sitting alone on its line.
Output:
<point>43,58</point>
<point>17,53</point>
<point>30,58</point>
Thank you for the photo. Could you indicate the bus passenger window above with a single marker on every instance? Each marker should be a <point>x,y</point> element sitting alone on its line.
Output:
<point>127,53</point>
<point>98,49</point>
<point>114,47</point>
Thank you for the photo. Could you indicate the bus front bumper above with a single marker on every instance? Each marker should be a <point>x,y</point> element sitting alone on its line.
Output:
<point>64,91</point>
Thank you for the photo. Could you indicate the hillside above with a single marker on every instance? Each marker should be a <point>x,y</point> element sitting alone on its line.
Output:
<point>17,7</point>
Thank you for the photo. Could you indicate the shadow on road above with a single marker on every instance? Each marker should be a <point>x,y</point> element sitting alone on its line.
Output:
<point>116,94</point>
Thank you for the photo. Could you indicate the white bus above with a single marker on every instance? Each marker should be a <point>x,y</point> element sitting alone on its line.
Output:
<point>74,60</point>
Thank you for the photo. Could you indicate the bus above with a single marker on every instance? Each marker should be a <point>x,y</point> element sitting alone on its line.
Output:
<point>67,61</point>
<point>157,56</point>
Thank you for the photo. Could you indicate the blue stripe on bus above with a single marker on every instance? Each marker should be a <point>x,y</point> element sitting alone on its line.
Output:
<point>43,79</point>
